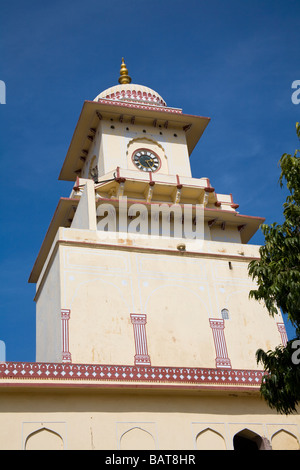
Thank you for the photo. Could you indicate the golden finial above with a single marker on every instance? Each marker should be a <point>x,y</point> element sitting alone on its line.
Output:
<point>124,77</point>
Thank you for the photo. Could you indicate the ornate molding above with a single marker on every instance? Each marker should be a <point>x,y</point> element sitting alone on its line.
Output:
<point>127,373</point>
<point>128,104</point>
<point>138,96</point>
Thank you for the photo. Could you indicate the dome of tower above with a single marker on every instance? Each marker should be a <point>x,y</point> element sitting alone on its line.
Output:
<point>130,92</point>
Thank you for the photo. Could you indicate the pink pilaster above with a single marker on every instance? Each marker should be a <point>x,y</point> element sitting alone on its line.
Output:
<point>139,329</point>
<point>222,359</point>
<point>65,317</point>
<point>282,331</point>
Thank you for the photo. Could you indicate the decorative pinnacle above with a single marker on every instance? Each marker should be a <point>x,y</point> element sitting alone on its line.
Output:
<point>124,77</point>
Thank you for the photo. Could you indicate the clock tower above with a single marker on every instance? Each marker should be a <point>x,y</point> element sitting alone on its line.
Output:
<point>144,264</point>
<point>145,333</point>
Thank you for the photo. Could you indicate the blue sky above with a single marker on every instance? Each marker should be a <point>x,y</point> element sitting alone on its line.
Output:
<point>233,61</point>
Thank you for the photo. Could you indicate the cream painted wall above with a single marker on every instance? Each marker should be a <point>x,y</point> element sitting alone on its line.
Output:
<point>115,141</point>
<point>230,234</point>
<point>90,419</point>
<point>85,215</point>
<point>178,294</point>
<point>48,315</point>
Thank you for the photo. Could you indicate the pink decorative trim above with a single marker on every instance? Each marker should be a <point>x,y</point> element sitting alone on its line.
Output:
<point>65,317</point>
<point>139,374</point>
<point>282,331</point>
<point>141,357</point>
<point>128,104</point>
<point>138,96</point>
<point>222,359</point>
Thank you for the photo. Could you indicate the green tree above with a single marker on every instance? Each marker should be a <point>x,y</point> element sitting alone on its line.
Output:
<point>277,274</point>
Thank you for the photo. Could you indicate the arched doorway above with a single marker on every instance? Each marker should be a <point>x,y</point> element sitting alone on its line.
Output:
<point>247,440</point>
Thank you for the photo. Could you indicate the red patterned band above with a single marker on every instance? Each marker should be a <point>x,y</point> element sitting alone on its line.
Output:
<point>123,373</point>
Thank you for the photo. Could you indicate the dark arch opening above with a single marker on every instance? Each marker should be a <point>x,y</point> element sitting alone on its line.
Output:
<point>247,440</point>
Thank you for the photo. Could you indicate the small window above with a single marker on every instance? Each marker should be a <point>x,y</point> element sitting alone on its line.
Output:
<point>225,314</point>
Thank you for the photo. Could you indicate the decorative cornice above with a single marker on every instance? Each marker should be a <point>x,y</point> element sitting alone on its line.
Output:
<point>164,109</point>
<point>219,378</point>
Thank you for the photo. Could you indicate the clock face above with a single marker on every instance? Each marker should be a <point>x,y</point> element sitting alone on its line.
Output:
<point>146,160</point>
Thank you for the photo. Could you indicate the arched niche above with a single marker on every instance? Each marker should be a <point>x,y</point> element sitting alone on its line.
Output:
<point>44,439</point>
<point>137,439</point>
<point>208,439</point>
<point>284,440</point>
